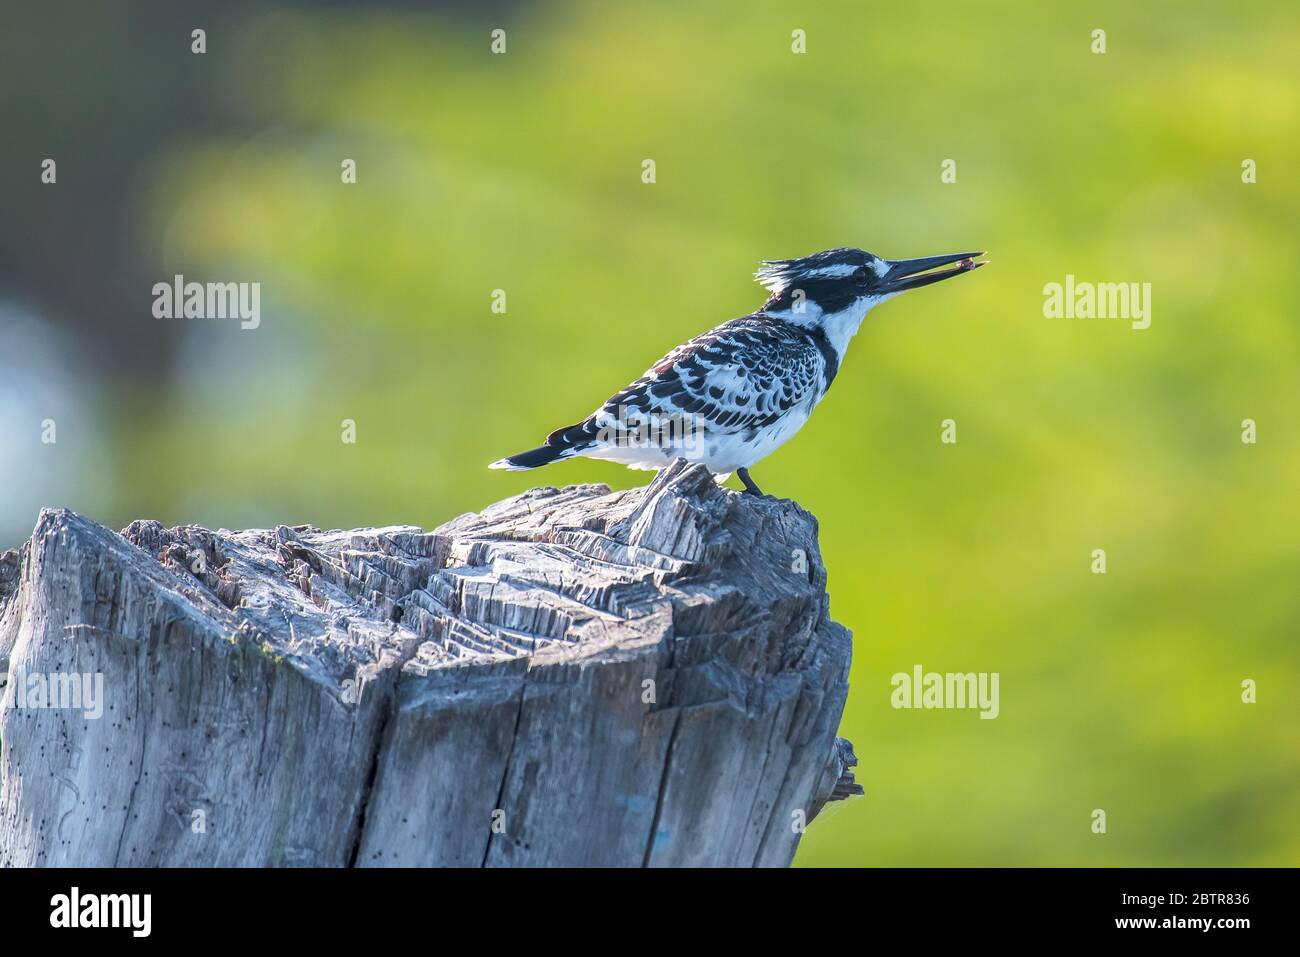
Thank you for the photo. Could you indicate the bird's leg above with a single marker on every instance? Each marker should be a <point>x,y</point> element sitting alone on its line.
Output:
<point>750,487</point>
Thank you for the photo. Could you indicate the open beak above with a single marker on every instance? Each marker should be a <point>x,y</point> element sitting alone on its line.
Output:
<point>912,273</point>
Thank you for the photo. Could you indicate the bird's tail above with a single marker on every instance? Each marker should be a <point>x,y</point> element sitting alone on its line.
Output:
<point>533,458</point>
<point>561,444</point>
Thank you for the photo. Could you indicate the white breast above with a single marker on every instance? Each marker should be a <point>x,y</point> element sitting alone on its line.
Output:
<point>726,453</point>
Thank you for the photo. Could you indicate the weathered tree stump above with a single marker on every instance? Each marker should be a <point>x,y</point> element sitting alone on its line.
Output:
<point>571,677</point>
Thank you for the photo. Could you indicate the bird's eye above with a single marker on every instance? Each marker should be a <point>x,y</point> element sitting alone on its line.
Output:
<point>860,275</point>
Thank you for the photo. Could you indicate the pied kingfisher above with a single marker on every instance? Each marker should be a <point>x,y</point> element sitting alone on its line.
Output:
<point>733,395</point>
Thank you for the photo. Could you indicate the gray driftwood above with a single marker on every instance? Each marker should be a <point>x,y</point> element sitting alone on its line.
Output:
<point>571,677</point>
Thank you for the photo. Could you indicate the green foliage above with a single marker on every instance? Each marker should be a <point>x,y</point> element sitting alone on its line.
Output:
<point>523,172</point>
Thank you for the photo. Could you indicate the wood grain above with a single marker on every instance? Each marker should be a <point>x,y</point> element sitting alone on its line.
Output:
<point>570,677</point>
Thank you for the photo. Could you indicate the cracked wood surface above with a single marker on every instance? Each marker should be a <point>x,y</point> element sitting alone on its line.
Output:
<point>570,677</point>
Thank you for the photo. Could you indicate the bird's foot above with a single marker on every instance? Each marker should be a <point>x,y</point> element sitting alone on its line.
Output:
<point>750,487</point>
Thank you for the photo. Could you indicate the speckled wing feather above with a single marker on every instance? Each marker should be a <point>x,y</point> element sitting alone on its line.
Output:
<point>735,379</point>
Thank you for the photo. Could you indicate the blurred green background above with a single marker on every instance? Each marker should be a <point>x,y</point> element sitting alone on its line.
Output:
<point>522,172</point>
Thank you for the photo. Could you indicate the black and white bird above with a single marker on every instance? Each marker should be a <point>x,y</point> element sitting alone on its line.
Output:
<point>735,394</point>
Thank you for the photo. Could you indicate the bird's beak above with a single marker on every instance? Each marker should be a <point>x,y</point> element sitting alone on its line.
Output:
<point>912,273</point>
